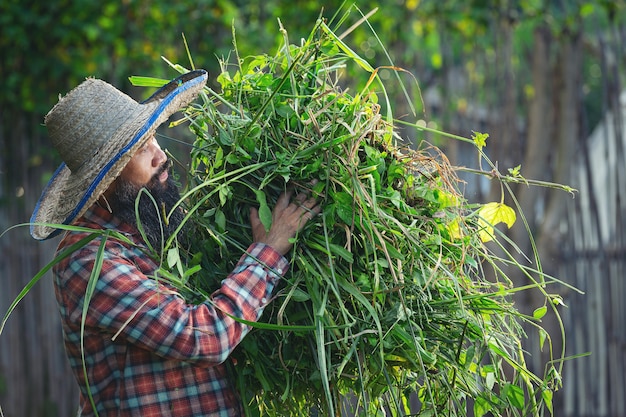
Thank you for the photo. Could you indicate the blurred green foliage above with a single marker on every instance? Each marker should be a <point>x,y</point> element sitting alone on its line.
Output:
<point>48,47</point>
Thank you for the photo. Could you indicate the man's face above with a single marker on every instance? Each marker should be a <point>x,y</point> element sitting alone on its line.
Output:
<point>148,169</point>
<point>145,164</point>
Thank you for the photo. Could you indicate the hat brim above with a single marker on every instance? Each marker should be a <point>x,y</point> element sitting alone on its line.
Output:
<point>68,194</point>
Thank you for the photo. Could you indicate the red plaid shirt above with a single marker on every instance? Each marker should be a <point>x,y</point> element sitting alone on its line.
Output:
<point>146,352</point>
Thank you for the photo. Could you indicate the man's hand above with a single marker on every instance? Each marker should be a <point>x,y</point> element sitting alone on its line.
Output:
<point>288,218</point>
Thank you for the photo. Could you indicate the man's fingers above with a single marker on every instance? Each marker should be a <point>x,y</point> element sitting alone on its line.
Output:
<point>297,205</point>
<point>312,205</point>
<point>284,199</point>
<point>301,198</point>
<point>310,208</point>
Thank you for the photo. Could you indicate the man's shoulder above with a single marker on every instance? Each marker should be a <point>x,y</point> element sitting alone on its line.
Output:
<point>84,247</point>
<point>97,224</point>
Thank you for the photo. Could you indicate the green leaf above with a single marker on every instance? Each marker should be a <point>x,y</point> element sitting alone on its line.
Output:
<point>468,356</point>
<point>139,81</point>
<point>173,260</point>
<point>224,138</point>
<point>480,139</point>
<point>172,257</point>
<point>557,300</point>
<point>343,206</point>
<point>220,220</point>
<point>284,111</point>
<point>481,407</point>
<point>265,80</point>
<point>543,335</point>
<point>219,158</point>
<point>515,172</point>
<point>515,395</point>
<point>546,394</point>
<point>490,380</point>
<point>341,251</point>
<point>333,249</point>
<point>224,193</point>
<point>299,295</point>
<point>265,214</point>
<point>192,270</point>
<point>540,312</point>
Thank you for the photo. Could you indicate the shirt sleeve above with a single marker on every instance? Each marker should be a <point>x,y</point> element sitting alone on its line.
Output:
<point>127,304</point>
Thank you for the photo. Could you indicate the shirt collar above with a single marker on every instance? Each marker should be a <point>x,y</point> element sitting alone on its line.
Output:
<point>98,217</point>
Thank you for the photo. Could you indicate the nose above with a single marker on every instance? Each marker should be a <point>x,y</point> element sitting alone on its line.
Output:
<point>159,156</point>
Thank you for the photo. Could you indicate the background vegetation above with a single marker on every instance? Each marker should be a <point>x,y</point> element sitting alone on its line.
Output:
<point>537,75</point>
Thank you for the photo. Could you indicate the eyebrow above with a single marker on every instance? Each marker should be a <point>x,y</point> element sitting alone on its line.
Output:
<point>147,142</point>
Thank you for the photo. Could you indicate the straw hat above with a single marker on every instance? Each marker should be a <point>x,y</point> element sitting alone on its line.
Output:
<point>97,129</point>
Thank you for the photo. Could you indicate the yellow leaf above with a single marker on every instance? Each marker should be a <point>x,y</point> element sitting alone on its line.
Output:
<point>454,228</point>
<point>448,199</point>
<point>491,214</point>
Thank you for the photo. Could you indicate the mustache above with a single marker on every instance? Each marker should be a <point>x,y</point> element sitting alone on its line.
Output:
<point>164,167</point>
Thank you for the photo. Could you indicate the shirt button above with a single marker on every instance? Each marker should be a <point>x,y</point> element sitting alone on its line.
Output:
<point>264,300</point>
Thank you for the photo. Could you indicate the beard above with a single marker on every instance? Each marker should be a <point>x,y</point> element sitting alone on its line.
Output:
<point>152,213</point>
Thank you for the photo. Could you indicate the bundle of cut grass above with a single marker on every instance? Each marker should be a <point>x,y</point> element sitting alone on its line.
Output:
<point>387,297</point>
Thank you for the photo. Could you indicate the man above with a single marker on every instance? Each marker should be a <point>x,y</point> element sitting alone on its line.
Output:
<point>136,348</point>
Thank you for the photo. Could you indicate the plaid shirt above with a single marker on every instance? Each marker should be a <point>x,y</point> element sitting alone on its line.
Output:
<point>146,352</point>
